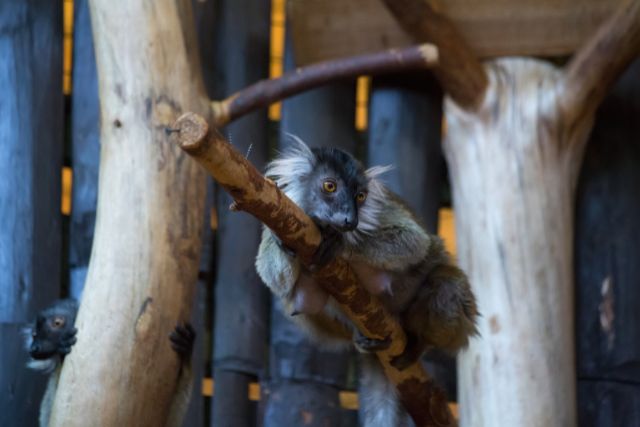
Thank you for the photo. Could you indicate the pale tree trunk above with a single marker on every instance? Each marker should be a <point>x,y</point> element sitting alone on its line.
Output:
<point>144,261</point>
<point>513,167</point>
<point>514,147</point>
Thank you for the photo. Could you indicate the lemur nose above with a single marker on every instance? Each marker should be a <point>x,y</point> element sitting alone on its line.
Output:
<point>350,224</point>
<point>35,347</point>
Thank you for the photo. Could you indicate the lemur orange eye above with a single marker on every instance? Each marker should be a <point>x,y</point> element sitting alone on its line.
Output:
<point>361,197</point>
<point>58,322</point>
<point>329,186</point>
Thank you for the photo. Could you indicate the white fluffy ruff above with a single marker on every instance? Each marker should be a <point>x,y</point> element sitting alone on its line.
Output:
<point>298,161</point>
<point>46,365</point>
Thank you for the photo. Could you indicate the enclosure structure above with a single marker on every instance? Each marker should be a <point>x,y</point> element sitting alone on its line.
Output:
<point>515,137</point>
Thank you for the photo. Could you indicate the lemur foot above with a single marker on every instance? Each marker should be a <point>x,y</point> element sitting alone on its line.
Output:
<point>409,356</point>
<point>182,339</point>
<point>67,341</point>
<point>370,345</point>
<point>329,247</point>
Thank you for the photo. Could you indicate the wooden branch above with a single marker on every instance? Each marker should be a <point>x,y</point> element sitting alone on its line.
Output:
<point>604,57</point>
<point>459,71</point>
<point>266,92</point>
<point>260,197</point>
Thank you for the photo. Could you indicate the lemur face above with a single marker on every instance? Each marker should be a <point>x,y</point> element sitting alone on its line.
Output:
<point>338,188</point>
<point>331,186</point>
<point>53,332</point>
<point>47,334</point>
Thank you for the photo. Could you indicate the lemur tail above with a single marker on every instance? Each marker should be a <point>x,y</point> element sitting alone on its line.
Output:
<point>378,397</point>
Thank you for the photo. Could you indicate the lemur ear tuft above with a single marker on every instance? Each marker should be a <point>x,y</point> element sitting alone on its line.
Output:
<point>376,171</point>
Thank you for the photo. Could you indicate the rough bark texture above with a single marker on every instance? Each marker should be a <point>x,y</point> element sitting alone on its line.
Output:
<point>241,324</point>
<point>31,117</point>
<point>405,117</point>
<point>266,92</point>
<point>298,369</point>
<point>514,164</point>
<point>607,244</point>
<point>145,254</point>
<point>261,197</point>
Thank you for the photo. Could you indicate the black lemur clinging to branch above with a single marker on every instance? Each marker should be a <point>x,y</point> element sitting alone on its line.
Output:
<point>50,338</point>
<point>392,255</point>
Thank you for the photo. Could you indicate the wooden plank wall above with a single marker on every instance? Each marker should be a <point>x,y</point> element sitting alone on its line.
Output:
<point>31,135</point>
<point>241,301</point>
<point>606,263</point>
<point>325,29</point>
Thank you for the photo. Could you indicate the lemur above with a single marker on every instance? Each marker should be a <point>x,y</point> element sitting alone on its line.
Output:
<point>52,335</point>
<point>391,254</point>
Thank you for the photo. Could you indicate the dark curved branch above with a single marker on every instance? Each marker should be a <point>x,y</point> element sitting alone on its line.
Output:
<point>596,66</point>
<point>266,92</point>
<point>459,71</point>
<point>260,197</point>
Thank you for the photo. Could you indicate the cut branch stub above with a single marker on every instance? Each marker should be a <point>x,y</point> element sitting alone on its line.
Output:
<point>266,92</point>
<point>260,197</point>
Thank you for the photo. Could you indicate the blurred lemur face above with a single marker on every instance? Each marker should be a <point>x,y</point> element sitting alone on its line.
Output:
<point>46,336</point>
<point>338,189</point>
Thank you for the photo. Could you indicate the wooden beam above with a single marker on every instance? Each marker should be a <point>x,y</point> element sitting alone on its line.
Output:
<point>327,29</point>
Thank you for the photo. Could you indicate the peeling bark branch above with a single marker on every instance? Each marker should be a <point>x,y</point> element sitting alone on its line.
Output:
<point>259,196</point>
<point>459,71</point>
<point>266,92</point>
<point>597,65</point>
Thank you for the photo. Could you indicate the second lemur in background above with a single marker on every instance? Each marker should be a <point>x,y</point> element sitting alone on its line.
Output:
<point>392,255</point>
<point>50,338</point>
